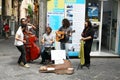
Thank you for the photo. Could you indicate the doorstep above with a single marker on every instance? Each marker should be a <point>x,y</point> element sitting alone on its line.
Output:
<point>104,55</point>
<point>95,54</point>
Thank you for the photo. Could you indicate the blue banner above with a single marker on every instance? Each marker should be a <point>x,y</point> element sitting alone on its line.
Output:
<point>75,1</point>
<point>55,20</point>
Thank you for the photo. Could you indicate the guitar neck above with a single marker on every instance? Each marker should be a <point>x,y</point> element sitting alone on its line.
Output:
<point>70,32</point>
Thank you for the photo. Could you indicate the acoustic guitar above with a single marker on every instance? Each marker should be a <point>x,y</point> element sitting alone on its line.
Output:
<point>61,34</point>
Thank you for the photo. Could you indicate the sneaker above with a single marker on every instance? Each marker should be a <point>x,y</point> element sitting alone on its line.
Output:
<point>21,64</point>
<point>26,65</point>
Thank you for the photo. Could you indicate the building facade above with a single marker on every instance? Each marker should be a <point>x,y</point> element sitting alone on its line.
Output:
<point>104,15</point>
<point>11,11</point>
<point>105,18</point>
<point>108,32</point>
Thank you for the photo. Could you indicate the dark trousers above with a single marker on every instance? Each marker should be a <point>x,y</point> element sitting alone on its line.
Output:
<point>46,53</point>
<point>87,50</point>
<point>22,57</point>
<point>45,56</point>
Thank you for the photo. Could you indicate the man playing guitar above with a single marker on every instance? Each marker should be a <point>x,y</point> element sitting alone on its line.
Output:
<point>63,34</point>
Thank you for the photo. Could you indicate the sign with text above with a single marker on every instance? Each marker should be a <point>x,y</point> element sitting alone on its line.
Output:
<point>73,10</point>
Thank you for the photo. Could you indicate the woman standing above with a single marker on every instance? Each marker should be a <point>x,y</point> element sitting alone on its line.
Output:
<point>87,37</point>
<point>19,43</point>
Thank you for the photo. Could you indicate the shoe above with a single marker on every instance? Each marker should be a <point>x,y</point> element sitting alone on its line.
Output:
<point>88,66</point>
<point>42,62</point>
<point>26,65</point>
<point>83,65</point>
<point>21,64</point>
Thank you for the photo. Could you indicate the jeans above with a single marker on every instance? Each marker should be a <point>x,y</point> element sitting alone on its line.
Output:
<point>63,47</point>
<point>22,57</point>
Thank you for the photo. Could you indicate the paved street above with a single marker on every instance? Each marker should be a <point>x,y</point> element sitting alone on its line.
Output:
<point>101,68</point>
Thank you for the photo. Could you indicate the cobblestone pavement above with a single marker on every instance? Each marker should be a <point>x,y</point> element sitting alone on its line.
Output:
<point>101,68</point>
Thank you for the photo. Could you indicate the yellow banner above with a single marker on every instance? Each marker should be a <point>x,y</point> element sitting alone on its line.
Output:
<point>71,1</point>
<point>50,5</point>
<point>55,4</point>
<point>61,4</point>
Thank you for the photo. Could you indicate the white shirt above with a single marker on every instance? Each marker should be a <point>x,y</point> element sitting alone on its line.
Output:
<point>21,36</point>
<point>48,39</point>
<point>29,27</point>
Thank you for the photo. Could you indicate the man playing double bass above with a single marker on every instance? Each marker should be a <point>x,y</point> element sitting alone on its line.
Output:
<point>19,43</point>
<point>32,50</point>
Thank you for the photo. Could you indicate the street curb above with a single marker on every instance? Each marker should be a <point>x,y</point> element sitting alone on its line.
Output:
<point>105,56</point>
<point>99,57</point>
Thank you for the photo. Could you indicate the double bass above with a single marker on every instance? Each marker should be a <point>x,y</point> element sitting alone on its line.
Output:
<point>32,50</point>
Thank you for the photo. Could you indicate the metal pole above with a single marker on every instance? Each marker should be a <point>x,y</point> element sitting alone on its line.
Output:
<point>42,18</point>
<point>101,19</point>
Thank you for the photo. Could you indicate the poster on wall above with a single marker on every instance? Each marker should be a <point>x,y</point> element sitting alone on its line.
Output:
<point>55,13</point>
<point>76,17</point>
<point>54,20</point>
<point>69,12</point>
<point>69,15</point>
<point>74,11</point>
<point>93,11</point>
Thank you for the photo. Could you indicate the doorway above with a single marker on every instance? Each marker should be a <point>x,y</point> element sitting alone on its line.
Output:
<point>109,26</point>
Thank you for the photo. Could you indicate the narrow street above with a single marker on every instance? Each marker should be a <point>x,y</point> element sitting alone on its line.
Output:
<point>101,68</point>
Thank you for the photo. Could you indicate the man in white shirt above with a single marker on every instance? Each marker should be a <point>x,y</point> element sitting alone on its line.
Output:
<point>19,43</point>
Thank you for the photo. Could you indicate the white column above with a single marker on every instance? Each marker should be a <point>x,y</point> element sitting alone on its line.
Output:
<point>42,18</point>
<point>100,28</point>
